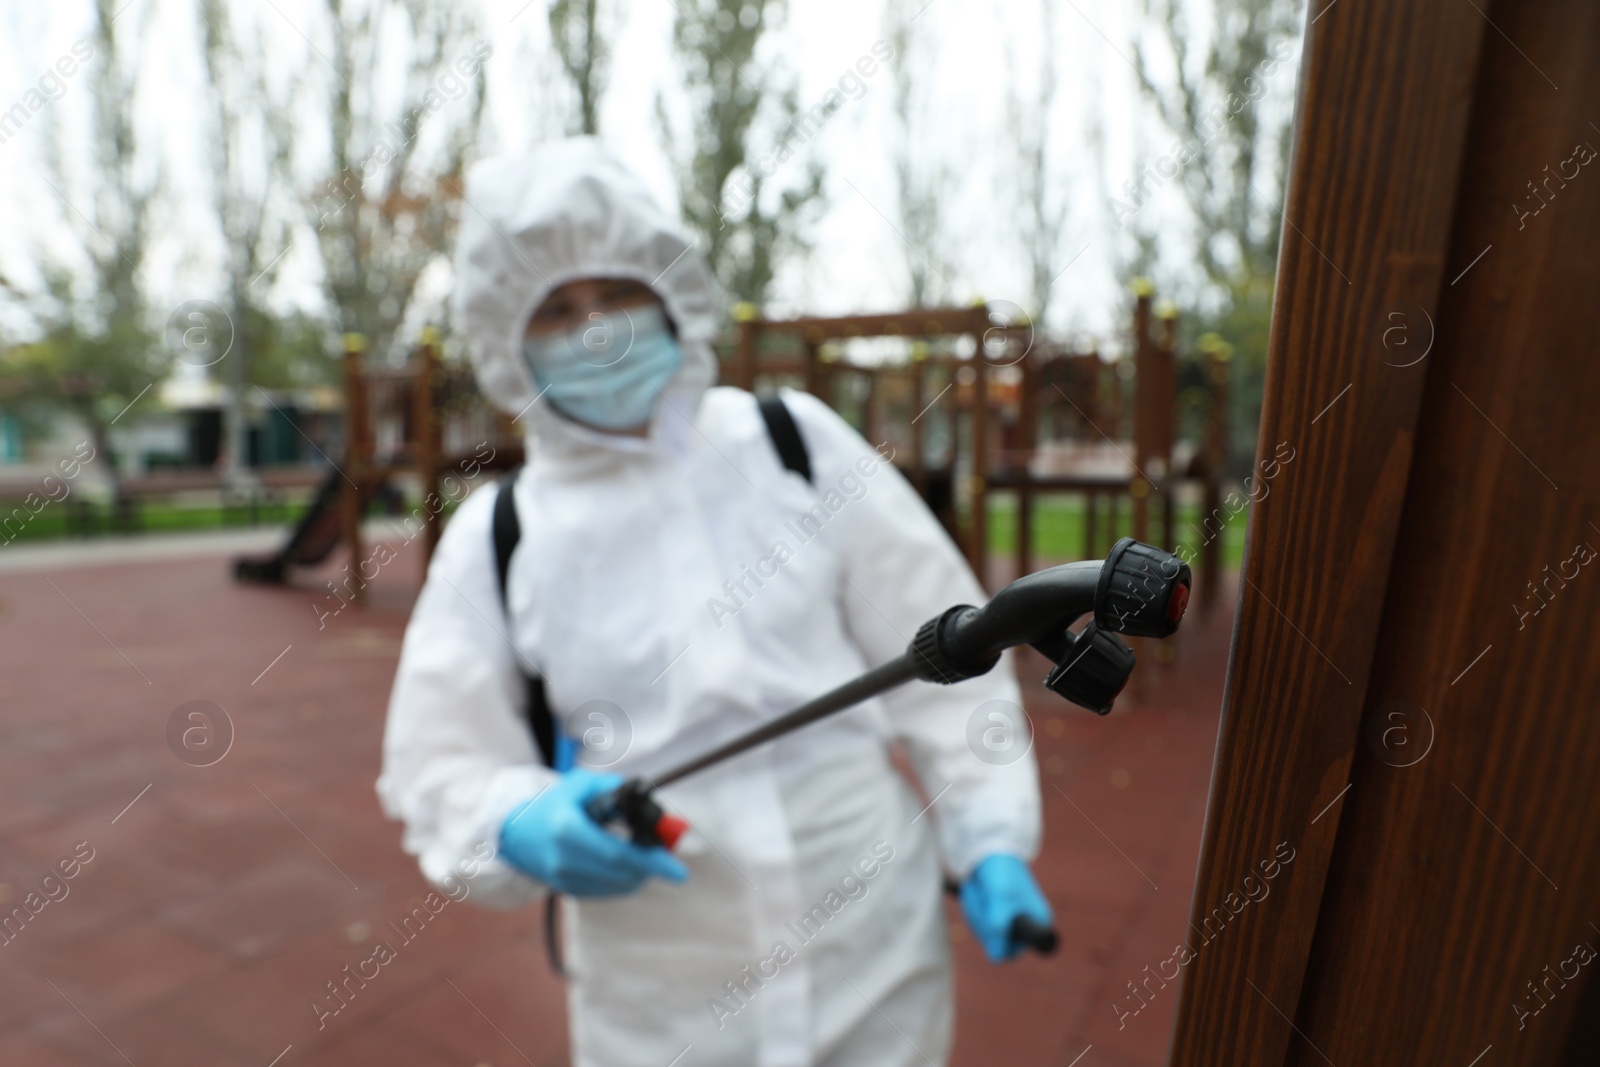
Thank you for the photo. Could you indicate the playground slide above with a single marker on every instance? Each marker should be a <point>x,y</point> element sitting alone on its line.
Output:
<point>313,540</point>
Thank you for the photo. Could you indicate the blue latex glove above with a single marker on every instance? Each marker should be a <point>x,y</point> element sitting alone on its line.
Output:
<point>999,889</point>
<point>551,838</point>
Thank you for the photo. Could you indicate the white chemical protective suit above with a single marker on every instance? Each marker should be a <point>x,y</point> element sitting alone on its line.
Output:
<point>692,582</point>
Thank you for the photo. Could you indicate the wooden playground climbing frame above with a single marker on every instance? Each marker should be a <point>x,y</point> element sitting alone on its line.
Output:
<point>1150,466</point>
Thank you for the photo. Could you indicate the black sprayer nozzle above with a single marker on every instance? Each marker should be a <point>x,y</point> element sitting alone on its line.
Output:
<point>1143,591</point>
<point>1092,669</point>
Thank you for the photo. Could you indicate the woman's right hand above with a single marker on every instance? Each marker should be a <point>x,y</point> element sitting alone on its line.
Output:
<point>552,839</point>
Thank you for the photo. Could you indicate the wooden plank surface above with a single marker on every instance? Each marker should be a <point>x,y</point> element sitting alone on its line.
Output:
<point>1384,99</point>
<point>1468,869</point>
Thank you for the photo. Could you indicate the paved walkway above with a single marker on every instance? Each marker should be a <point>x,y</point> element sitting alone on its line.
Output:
<point>211,904</point>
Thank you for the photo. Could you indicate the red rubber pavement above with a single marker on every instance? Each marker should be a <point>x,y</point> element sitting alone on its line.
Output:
<point>221,900</point>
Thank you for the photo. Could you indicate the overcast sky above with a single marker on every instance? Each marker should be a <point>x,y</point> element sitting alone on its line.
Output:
<point>976,53</point>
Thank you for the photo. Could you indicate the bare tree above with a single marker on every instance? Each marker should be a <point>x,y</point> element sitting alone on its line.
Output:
<point>578,36</point>
<point>387,208</point>
<point>94,356</point>
<point>922,175</point>
<point>249,153</point>
<point>1229,158</point>
<point>1042,207</point>
<point>746,234</point>
<point>1225,155</point>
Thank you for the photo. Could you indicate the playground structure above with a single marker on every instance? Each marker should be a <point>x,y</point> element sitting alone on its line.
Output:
<point>424,419</point>
<point>422,422</point>
<point>972,406</point>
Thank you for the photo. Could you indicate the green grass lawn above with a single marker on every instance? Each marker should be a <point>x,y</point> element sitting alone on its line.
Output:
<point>76,518</point>
<point>1058,528</point>
<point>1058,523</point>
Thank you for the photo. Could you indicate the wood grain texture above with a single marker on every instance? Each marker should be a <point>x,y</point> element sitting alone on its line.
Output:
<point>1382,116</point>
<point>1457,880</point>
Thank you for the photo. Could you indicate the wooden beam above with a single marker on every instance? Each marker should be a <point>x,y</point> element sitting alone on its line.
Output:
<point>1384,100</point>
<point>1143,396</point>
<point>744,355</point>
<point>916,322</point>
<point>919,467</point>
<point>978,486</point>
<point>427,430</point>
<point>357,456</point>
<point>1466,871</point>
<point>1214,458</point>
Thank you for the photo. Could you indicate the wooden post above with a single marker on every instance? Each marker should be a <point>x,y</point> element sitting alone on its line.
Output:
<point>1027,444</point>
<point>748,326</point>
<point>1139,488</point>
<point>1167,361</point>
<point>1102,377</point>
<point>978,487</point>
<point>1024,528</point>
<point>823,372</point>
<point>919,370</point>
<point>871,423</point>
<point>1091,505</point>
<point>357,450</point>
<point>1216,355</point>
<point>427,431</point>
<point>811,368</point>
<point>1438,870</point>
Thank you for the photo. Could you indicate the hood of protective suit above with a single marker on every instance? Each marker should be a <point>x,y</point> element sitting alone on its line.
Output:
<point>565,211</point>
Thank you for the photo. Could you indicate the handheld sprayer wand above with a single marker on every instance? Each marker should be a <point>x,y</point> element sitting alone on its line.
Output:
<point>1138,590</point>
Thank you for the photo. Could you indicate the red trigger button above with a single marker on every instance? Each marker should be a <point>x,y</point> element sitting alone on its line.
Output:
<point>1179,602</point>
<point>669,828</point>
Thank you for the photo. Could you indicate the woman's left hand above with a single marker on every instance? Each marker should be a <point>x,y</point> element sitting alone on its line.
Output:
<point>999,890</point>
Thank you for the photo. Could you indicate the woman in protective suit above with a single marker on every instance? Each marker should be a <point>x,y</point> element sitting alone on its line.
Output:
<point>673,585</point>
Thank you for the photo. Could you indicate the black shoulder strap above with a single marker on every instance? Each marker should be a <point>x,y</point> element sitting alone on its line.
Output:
<point>507,532</point>
<point>785,435</point>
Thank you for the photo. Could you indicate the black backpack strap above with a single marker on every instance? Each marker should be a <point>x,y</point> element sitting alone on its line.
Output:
<point>785,435</point>
<point>507,532</point>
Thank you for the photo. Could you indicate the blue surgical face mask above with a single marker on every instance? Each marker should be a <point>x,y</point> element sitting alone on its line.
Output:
<point>610,372</point>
